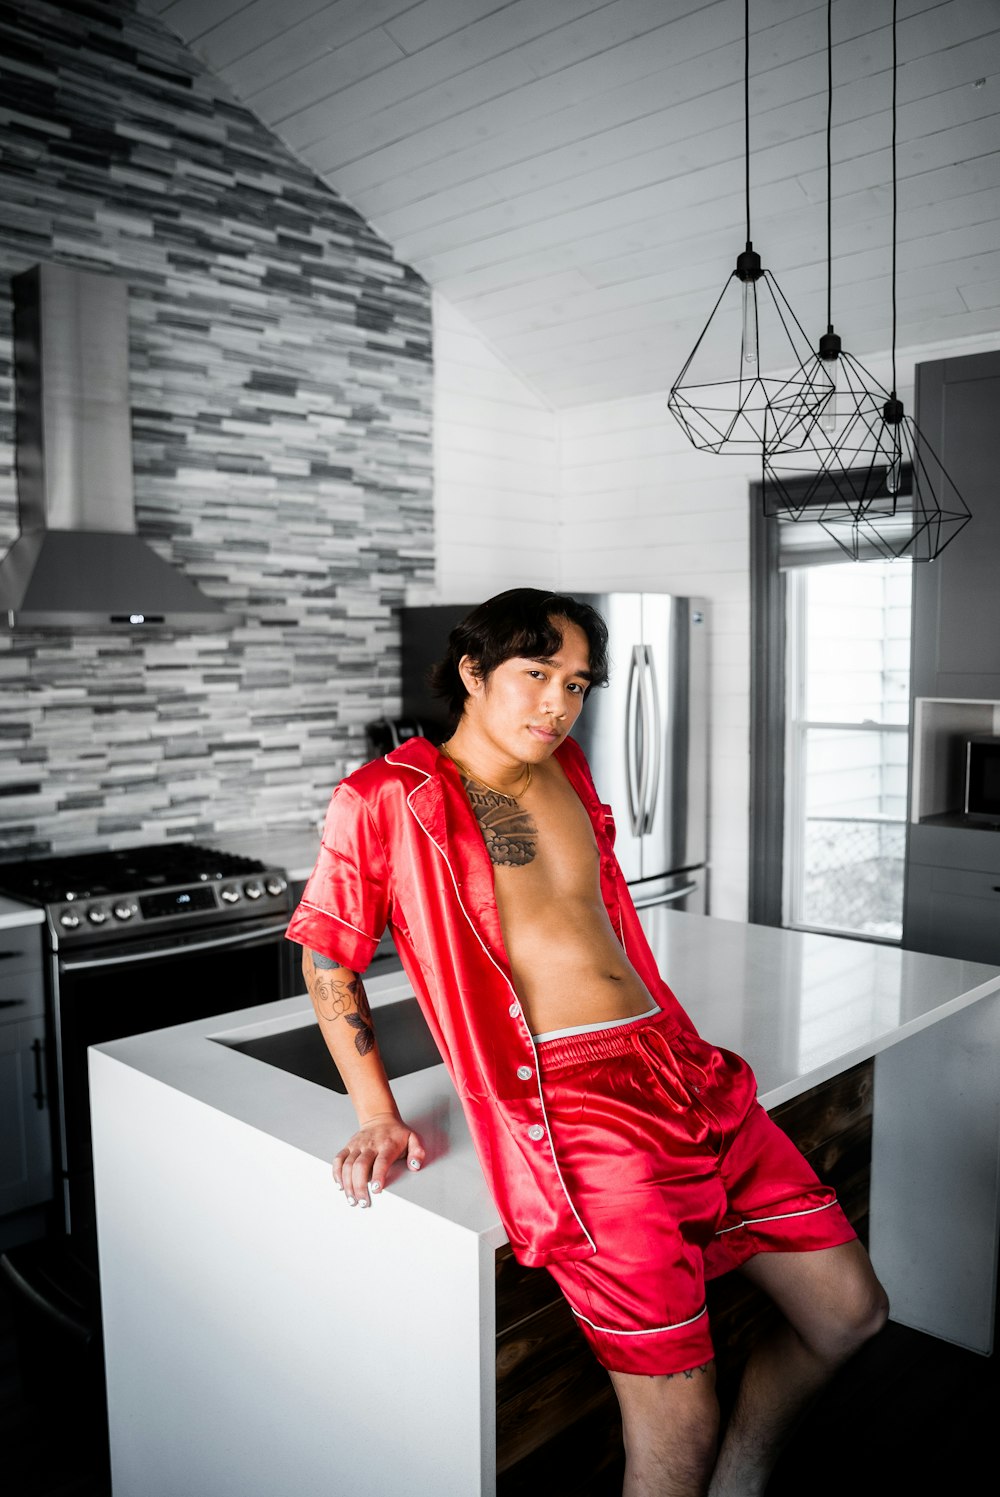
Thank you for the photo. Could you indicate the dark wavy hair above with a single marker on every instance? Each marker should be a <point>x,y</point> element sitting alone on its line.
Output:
<point>521,621</point>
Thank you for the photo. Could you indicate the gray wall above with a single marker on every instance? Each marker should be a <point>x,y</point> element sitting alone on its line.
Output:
<point>281,402</point>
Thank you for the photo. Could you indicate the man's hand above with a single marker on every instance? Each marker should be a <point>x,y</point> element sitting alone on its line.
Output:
<point>363,1164</point>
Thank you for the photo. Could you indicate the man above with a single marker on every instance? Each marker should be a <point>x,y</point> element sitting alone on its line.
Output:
<point>625,1154</point>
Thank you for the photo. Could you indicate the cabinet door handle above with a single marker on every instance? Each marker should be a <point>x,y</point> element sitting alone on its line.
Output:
<point>12,1002</point>
<point>37,1050</point>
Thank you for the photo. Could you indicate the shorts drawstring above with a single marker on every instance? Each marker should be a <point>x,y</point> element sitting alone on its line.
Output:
<point>661,1058</point>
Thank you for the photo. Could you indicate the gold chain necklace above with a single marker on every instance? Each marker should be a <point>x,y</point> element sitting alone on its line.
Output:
<point>507,794</point>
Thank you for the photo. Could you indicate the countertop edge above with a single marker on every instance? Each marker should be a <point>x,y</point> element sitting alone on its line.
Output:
<point>195,1060</point>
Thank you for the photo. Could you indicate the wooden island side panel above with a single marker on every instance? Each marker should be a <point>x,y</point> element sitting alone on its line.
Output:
<point>557,1422</point>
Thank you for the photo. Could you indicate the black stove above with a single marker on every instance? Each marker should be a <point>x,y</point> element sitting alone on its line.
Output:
<point>102,896</point>
<point>138,939</point>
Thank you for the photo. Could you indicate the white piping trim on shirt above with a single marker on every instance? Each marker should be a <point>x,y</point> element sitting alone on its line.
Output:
<point>402,764</point>
<point>756,1221</point>
<point>331,916</point>
<point>657,1330</point>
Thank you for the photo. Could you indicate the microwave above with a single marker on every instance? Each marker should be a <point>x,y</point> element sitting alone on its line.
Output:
<point>982,779</point>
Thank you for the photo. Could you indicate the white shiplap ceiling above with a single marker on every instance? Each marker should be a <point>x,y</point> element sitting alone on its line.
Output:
<point>570,173</point>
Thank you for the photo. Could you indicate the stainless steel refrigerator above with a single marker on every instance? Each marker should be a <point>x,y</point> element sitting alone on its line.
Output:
<point>645,734</point>
<point>646,737</point>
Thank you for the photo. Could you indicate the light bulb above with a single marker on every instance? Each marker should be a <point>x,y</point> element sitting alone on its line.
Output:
<point>892,413</point>
<point>893,473</point>
<point>749,323</point>
<point>829,413</point>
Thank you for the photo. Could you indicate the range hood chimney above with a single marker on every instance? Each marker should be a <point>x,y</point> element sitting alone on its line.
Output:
<point>78,562</point>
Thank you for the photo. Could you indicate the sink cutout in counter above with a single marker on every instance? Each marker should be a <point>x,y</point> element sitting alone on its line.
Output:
<point>404,1042</point>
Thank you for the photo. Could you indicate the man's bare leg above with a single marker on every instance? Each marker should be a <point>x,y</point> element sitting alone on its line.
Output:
<point>832,1303</point>
<point>670,1426</point>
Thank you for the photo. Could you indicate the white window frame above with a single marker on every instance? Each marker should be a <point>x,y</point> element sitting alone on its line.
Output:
<point>797,727</point>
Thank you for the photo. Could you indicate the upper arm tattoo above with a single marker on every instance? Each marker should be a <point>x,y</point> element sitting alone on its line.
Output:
<point>510,834</point>
<point>341,996</point>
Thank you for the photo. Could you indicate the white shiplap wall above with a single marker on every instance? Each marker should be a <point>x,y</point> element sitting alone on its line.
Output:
<point>610,496</point>
<point>643,510</point>
<point>496,482</point>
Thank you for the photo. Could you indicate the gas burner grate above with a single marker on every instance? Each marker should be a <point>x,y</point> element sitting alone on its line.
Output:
<point>124,871</point>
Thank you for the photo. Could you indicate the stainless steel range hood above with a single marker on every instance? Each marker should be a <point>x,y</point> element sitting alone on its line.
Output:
<point>78,562</point>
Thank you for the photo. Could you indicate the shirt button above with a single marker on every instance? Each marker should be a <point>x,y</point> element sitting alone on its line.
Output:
<point>514,1010</point>
<point>535,1132</point>
<point>524,1073</point>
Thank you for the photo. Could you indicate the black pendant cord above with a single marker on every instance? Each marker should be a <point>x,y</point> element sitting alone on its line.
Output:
<point>752,411</point>
<point>746,105</point>
<point>894,199</point>
<point>829,343</point>
<point>829,166</point>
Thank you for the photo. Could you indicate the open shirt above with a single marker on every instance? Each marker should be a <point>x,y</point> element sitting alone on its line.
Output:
<point>401,848</point>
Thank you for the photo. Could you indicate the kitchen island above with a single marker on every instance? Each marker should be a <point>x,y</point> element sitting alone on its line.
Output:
<point>263,1338</point>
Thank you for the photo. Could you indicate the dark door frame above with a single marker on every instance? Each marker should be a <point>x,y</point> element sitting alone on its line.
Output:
<point>767,716</point>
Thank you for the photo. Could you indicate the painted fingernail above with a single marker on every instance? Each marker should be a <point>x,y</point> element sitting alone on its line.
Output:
<point>351,1201</point>
<point>375,1187</point>
<point>338,1184</point>
<point>414,1164</point>
<point>363,1204</point>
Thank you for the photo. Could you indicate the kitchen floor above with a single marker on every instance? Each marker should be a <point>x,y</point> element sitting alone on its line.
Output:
<point>909,1410</point>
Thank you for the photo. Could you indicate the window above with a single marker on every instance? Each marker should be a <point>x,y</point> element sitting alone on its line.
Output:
<point>829,736</point>
<point>847,654</point>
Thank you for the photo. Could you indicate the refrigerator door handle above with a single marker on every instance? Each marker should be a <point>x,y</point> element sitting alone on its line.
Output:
<point>634,753</point>
<point>645,731</point>
<point>654,738</point>
<point>657,899</point>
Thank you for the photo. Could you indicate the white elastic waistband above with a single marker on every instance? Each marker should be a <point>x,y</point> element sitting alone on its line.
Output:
<point>562,1034</point>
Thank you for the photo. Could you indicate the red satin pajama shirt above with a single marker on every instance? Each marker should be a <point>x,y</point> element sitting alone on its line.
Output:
<point>633,1163</point>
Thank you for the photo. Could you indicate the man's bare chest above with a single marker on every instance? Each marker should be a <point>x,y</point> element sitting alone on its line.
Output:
<point>542,848</point>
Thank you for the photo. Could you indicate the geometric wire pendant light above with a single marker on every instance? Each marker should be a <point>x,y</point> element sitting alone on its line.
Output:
<point>724,398</point>
<point>920,524</point>
<point>855,469</point>
<point>847,465</point>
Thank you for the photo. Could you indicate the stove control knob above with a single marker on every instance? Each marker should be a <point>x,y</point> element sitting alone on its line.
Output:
<point>97,914</point>
<point>229,893</point>
<point>275,885</point>
<point>124,909</point>
<point>69,920</point>
<point>254,889</point>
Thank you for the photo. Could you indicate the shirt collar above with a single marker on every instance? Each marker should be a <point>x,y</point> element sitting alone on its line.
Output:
<point>441,807</point>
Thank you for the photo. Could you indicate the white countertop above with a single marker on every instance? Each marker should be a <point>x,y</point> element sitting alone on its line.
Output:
<point>801,1008</point>
<point>12,913</point>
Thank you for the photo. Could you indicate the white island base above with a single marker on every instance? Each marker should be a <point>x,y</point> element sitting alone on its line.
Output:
<point>263,1339</point>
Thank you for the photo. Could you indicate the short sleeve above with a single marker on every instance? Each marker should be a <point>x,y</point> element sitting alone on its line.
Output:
<point>345,904</point>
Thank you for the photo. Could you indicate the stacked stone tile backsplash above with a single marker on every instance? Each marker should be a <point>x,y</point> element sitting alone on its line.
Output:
<point>280,368</point>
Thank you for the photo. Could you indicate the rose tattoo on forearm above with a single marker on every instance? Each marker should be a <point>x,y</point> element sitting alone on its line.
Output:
<point>339,994</point>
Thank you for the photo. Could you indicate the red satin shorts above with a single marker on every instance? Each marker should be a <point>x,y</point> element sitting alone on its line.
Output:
<point>679,1175</point>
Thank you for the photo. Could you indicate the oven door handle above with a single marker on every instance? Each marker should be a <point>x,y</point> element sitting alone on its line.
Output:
<point>259,934</point>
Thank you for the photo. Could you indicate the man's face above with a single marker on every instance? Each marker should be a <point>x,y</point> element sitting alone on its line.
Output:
<point>528,705</point>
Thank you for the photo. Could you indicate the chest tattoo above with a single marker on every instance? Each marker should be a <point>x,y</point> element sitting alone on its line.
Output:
<point>510,834</point>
